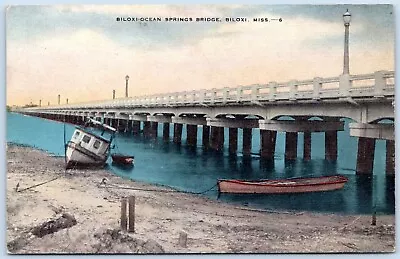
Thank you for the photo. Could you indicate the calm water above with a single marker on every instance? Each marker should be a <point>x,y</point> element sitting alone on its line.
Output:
<point>193,169</point>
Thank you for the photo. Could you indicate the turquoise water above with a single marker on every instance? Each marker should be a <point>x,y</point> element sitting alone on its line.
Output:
<point>194,169</point>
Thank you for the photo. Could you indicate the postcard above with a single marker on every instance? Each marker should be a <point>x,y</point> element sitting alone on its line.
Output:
<point>200,129</point>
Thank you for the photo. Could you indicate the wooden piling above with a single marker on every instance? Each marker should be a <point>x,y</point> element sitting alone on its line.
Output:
<point>373,223</point>
<point>123,214</point>
<point>183,239</point>
<point>131,214</point>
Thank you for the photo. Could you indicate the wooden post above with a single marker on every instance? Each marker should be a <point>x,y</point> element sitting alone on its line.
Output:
<point>131,214</point>
<point>183,239</point>
<point>373,223</point>
<point>123,214</point>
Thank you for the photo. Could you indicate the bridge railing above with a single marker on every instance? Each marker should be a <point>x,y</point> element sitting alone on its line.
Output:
<point>378,84</point>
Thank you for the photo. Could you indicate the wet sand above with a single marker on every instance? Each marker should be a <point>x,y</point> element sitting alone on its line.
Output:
<point>211,226</point>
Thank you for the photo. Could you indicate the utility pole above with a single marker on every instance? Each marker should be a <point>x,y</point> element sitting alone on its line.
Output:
<point>126,86</point>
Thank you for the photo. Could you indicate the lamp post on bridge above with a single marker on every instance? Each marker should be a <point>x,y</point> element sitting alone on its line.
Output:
<point>346,20</point>
<point>126,86</point>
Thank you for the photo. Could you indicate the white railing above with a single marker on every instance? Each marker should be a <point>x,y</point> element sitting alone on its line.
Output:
<point>378,84</point>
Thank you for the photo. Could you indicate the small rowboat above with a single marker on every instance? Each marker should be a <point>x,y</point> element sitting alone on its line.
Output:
<point>294,185</point>
<point>122,159</point>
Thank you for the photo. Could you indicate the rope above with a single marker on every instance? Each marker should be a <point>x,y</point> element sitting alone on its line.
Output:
<point>106,185</point>
<point>33,186</point>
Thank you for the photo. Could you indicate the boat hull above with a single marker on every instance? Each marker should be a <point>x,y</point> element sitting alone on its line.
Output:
<point>77,156</point>
<point>298,185</point>
<point>122,159</point>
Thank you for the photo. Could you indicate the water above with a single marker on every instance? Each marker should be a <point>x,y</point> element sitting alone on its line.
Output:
<point>194,169</point>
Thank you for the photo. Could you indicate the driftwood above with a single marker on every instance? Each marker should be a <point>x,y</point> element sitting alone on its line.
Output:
<point>65,221</point>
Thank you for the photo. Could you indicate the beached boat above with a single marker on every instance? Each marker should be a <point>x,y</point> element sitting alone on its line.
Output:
<point>88,148</point>
<point>294,185</point>
<point>121,159</point>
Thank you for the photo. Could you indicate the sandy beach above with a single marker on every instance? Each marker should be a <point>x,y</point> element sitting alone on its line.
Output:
<point>160,216</point>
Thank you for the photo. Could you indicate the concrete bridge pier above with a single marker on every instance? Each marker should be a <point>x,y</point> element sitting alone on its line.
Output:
<point>135,127</point>
<point>81,120</point>
<point>291,146</point>
<point>268,141</point>
<point>217,135</point>
<point>146,128</point>
<point>178,133</point>
<point>331,145</point>
<point>191,131</point>
<point>247,137</point>
<point>390,157</point>
<point>307,146</point>
<point>114,123</point>
<point>367,134</point>
<point>166,131</point>
<point>217,138</point>
<point>206,136</point>
<point>307,126</point>
<point>122,125</point>
<point>365,155</point>
<point>128,126</point>
<point>154,129</point>
<point>233,135</point>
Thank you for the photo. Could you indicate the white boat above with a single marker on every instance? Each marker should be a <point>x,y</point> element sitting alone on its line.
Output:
<point>88,148</point>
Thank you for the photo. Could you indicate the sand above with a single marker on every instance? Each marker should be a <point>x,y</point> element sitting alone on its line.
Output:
<point>162,216</point>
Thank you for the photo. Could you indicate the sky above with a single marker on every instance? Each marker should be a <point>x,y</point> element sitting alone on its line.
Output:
<point>82,53</point>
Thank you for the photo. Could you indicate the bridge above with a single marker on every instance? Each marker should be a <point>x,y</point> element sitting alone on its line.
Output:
<point>315,105</point>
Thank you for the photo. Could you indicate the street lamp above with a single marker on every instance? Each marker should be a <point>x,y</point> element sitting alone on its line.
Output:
<point>346,20</point>
<point>126,86</point>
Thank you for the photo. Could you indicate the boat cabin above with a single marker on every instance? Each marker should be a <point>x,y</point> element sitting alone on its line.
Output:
<point>90,142</point>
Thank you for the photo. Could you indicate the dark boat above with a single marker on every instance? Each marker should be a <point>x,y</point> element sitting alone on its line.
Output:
<point>294,185</point>
<point>121,159</point>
